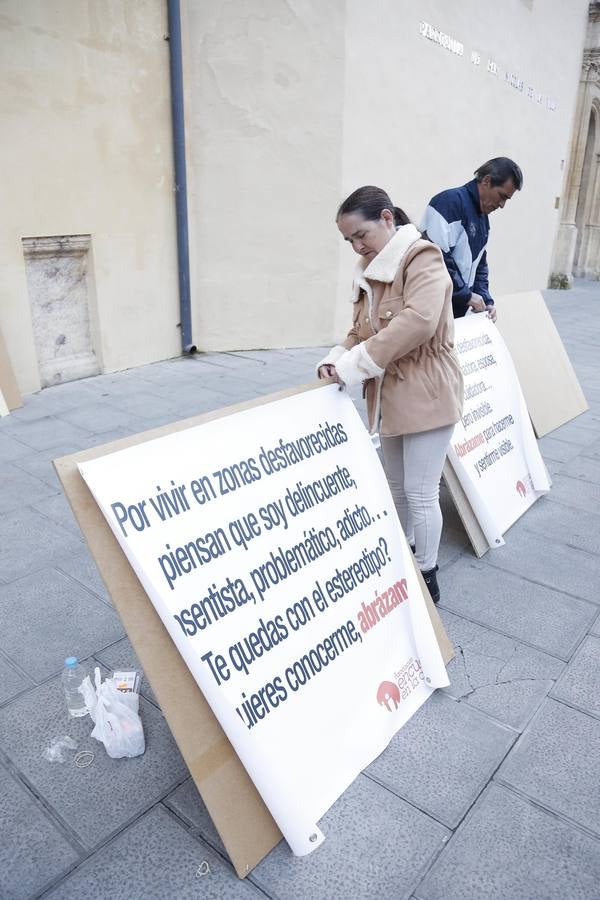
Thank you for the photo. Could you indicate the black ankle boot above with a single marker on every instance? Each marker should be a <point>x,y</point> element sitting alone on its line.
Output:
<point>430,579</point>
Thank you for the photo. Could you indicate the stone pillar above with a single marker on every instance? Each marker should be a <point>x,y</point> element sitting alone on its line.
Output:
<point>577,244</point>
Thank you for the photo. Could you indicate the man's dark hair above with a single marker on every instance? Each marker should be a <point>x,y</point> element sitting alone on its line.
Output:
<point>500,169</point>
<point>370,202</point>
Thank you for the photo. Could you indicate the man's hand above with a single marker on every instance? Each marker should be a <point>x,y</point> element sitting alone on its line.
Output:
<point>477,303</point>
<point>491,311</point>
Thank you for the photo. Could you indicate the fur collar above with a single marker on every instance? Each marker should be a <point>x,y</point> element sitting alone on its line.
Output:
<point>385,265</point>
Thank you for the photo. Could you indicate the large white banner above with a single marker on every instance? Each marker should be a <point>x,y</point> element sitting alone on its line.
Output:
<point>493,448</point>
<point>269,544</point>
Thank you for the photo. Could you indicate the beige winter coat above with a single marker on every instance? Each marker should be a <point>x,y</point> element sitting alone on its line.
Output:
<point>402,338</point>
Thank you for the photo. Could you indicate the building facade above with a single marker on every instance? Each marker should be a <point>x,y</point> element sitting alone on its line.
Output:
<point>577,251</point>
<point>289,107</point>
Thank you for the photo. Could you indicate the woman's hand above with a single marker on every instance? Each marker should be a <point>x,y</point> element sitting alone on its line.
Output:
<point>329,371</point>
<point>491,311</point>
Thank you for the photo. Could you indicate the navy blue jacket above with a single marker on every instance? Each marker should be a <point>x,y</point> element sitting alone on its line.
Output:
<point>454,221</point>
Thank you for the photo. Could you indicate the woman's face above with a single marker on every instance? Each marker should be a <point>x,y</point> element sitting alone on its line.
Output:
<point>366,236</point>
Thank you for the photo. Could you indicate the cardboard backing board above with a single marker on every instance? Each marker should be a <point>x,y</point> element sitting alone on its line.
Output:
<point>552,392</point>
<point>465,511</point>
<point>8,382</point>
<point>237,810</point>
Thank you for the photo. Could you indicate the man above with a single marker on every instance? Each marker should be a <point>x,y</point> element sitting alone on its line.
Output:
<point>457,221</point>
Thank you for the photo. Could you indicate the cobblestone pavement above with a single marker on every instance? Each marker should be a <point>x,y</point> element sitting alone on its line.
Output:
<point>491,791</point>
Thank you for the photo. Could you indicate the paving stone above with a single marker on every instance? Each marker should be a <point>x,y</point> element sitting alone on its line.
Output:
<point>443,757</point>
<point>46,432</point>
<point>40,464</point>
<point>509,849</point>
<point>189,806</point>
<point>550,563</point>
<point>572,527</point>
<point>580,684</point>
<point>99,416</point>
<point>155,859</point>
<point>20,489</point>
<point>592,451</point>
<point>596,626</point>
<point>376,846</point>
<point>80,565</point>
<point>573,492</point>
<point>122,656</point>
<point>578,432</point>
<point>534,614</point>
<point>101,799</point>
<point>562,451</point>
<point>33,852</point>
<point>11,680</point>
<point>11,449</point>
<point>584,469</point>
<point>58,510</point>
<point>556,762</point>
<point>45,617</point>
<point>28,541</point>
<point>497,674</point>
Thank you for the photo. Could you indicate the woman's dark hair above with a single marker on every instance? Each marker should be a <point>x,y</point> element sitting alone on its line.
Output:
<point>370,202</point>
<point>500,169</point>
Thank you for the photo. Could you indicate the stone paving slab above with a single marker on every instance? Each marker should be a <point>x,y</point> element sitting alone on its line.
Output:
<point>582,494</point>
<point>98,417</point>
<point>496,674</point>
<point>443,758</point>
<point>29,542</point>
<point>45,433</point>
<point>58,511</point>
<point>20,489</point>
<point>579,686</point>
<point>12,680</point>
<point>561,451</point>
<point>45,617</point>
<point>376,846</point>
<point>33,851</point>
<point>158,860</point>
<point>101,799</point>
<point>556,763</point>
<point>550,563</point>
<point>509,849</point>
<point>80,565</point>
<point>531,613</point>
<point>573,527</point>
<point>40,464</point>
<point>584,468</point>
<point>11,449</point>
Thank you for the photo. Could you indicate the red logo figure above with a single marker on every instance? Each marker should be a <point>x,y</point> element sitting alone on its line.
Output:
<point>521,488</point>
<point>388,691</point>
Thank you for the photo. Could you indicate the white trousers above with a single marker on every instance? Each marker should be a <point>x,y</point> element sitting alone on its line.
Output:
<point>413,464</point>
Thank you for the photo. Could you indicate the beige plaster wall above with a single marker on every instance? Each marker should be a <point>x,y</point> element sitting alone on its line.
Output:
<point>264,109</point>
<point>86,149</point>
<point>290,105</point>
<point>418,118</point>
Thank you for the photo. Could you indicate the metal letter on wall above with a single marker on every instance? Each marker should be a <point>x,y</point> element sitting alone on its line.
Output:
<point>59,294</point>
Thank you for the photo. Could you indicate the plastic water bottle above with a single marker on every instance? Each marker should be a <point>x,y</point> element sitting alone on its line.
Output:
<point>71,677</point>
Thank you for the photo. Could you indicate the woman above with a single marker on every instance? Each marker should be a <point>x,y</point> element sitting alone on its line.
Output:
<point>401,346</point>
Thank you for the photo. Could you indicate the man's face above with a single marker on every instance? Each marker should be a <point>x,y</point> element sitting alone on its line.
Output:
<point>493,197</point>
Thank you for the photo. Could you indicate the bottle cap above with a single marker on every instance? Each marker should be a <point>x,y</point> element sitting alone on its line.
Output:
<point>70,662</point>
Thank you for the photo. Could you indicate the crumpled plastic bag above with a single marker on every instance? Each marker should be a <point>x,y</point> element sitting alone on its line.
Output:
<point>54,752</point>
<point>117,722</point>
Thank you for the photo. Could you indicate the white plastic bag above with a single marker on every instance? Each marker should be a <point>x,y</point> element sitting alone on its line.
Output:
<point>115,714</point>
